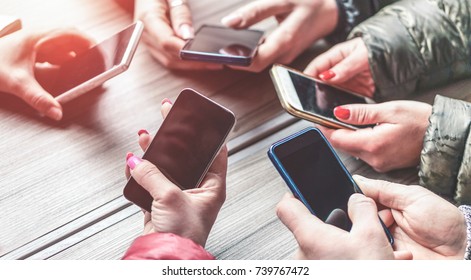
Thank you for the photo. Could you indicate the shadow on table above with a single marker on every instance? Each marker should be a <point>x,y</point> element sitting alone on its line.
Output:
<point>80,111</point>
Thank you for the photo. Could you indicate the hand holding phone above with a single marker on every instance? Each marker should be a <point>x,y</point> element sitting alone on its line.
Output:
<point>315,174</point>
<point>224,45</point>
<point>310,99</point>
<point>186,144</point>
<point>93,67</point>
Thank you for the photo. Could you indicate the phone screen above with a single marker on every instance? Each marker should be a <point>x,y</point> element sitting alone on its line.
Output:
<point>89,64</point>
<point>186,143</point>
<point>315,173</point>
<point>316,176</point>
<point>318,98</point>
<point>223,45</point>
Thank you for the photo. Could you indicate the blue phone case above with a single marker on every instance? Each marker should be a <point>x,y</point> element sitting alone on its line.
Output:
<point>292,186</point>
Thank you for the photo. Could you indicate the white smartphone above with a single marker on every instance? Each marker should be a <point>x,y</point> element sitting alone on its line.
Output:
<point>93,67</point>
<point>310,99</point>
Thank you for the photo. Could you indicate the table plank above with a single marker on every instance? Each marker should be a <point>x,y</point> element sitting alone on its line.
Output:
<point>247,226</point>
<point>54,173</point>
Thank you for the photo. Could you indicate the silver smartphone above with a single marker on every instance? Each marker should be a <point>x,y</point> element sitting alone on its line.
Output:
<point>93,67</point>
<point>310,99</point>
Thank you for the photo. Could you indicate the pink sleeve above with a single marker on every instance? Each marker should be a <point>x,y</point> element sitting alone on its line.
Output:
<point>165,246</point>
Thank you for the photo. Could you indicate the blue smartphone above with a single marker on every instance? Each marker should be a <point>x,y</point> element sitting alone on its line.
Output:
<point>315,174</point>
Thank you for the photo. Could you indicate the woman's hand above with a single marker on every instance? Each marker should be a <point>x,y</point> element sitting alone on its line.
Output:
<point>22,51</point>
<point>189,213</point>
<point>168,24</point>
<point>345,65</point>
<point>301,23</point>
<point>420,221</point>
<point>318,240</point>
<point>394,142</point>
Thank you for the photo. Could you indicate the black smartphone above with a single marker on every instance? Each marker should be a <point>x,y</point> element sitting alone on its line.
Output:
<point>219,44</point>
<point>93,67</point>
<point>315,174</point>
<point>186,144</point>
<point>310,99</point>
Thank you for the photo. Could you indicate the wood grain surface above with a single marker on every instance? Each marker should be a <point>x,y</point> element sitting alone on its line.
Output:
<point>61,183</point>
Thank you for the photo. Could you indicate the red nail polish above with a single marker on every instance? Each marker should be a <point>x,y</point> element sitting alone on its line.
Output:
<point>342,113</point>
<point>327,75</point>
<point>128,155</point>
<point>166,100</point>
<point>142,131</point>
<point>133,162</point>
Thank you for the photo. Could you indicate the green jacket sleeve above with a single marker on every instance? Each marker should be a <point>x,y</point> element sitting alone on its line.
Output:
<point>414,45</point>
<point>445,166</point>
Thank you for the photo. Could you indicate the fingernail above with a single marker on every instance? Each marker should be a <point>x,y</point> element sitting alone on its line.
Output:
<point>231,20</point>
<point>54,113</point>
<point>359,178</point>
<point>128,155</point>
<point>327,75</point>
<point>133,161</point>
<point>186,31</point>
<point>342,113</point>
<point>142,131</point>
<point>166,100</point>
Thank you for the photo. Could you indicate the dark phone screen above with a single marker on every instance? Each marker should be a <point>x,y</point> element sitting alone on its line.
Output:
<point>225,41</point>
<point>185,144</point>
<point>89,64</point>
<point>316,172</point>
<point>320,98</point>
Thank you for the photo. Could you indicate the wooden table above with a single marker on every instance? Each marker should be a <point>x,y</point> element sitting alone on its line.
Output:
<point>61,183</point>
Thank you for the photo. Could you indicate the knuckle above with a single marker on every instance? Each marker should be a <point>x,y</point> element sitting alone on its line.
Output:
<point>148,172</point>
<point>362,116</point>
<point>170,195</point>
<point>379,165</point>
<point>363,200</point>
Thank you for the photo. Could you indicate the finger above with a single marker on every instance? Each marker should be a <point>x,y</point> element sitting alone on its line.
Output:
<point>363,212</point>
<point>295,216</point>
<point>254,12</point>
<point>387,217</point>
<point>219,165</point>
<point>150,178</point>
<point>180,17</point>
<point>57,46</point>
<point>350,141</point>
<point>147,217</point>
<point>403,255</point>
<point>33,94</point>
<point>144,141</point>
<point>324,61</point>
<point>352,64</point>
<point>127,171</point>
<point>276,45</point>
<point>364,114</point>
<point>165,47</point>
<point>165,108</point>
<point>391,195</point>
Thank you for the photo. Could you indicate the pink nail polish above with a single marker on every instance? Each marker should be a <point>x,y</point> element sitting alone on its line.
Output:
<point>142,131</point>
<point>133,162</point>
<point>128,155</point>
<point>166,100</point>
<point>342,113</point>
<point>327,75</point>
